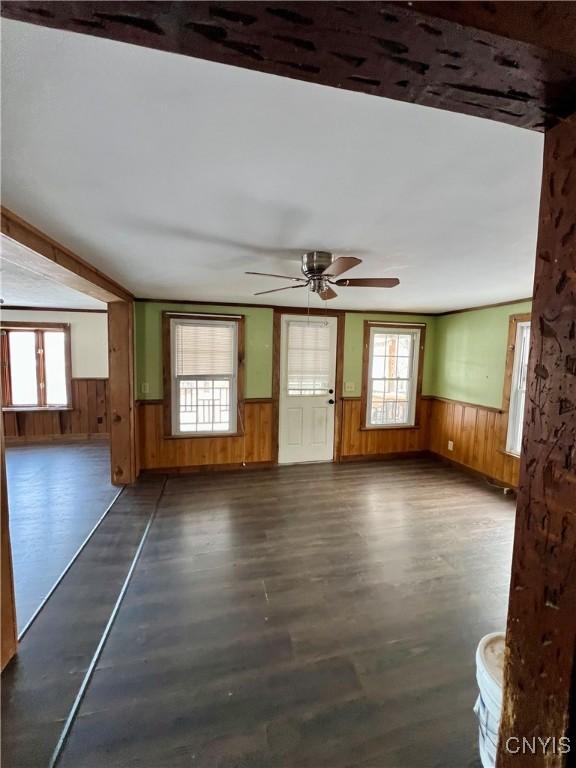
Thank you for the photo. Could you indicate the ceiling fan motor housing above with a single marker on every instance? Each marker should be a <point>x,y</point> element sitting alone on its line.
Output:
<point>315,262</point>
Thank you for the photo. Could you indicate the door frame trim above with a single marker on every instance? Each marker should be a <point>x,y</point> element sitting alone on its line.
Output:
<point>340,315</point>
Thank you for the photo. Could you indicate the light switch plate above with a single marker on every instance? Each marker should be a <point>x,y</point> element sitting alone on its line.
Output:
<point>145,388</point>
<point>350,386</point>
<point>450,445</point>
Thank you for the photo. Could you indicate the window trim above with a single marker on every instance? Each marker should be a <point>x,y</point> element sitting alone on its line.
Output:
<point>167,382</point>
<point>513,322</point>
<point>39,329</point>
<point>368,325</point>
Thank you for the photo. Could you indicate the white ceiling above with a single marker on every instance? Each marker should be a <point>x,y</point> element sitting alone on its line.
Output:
<point>175,175</point>
<point>21,287</point>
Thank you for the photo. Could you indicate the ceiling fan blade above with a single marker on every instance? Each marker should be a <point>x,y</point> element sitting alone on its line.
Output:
<point>286,287</point>
<point>284,277</point>
<point>327,293</point>
<point>369,282</point>
<point>342,264</point>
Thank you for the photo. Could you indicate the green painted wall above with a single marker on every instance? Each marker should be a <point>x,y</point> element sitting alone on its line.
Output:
<point>471,354</point>
<point>353,339</point>
<point>259,330</point>
<point>148,341</point>
<point>464,359</point>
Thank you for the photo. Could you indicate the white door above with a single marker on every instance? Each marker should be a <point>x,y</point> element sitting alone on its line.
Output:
<point>307,388</point>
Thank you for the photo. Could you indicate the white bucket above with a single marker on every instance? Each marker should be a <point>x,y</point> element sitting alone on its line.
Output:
<point>488,707</point>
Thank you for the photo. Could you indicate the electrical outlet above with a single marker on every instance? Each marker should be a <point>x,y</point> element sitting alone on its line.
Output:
<point>145,388</point>
<point>350,386</point>
<point>450,445</point>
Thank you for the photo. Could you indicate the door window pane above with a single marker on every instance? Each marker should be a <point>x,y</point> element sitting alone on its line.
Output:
<point>308,363</point>
<point>23,368</point>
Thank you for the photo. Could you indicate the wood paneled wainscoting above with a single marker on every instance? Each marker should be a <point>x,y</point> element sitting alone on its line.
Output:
<point>359,442</point>
<point>157,451</point>
<point>88,417</point>
<point>479,437</point>
<point>477,432</point>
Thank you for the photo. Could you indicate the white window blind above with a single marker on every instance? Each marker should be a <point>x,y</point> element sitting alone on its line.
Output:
<point>308,358</point>
<point>204,348</point>
<point>204,375</point>
<point>392,376</point>
<point>518,388</point>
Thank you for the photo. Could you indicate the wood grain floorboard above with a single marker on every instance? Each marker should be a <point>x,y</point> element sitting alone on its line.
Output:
<point>41,682</point>
<point>303,617</point>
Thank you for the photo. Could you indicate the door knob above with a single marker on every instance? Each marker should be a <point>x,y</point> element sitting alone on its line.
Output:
<point>331,402</point>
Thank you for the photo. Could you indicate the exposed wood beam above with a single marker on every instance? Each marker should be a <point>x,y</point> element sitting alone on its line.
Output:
<point>31,249</point>
<point>382,48</point>
<point>548,25</point>
<point>541,635</point>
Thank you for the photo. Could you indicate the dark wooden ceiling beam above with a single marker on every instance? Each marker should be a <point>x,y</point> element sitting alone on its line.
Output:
<point>396,50</point>
<point>550,25</point>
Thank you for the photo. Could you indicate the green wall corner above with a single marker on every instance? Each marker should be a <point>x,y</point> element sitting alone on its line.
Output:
<point>471,354</point>
<point>354,337</point>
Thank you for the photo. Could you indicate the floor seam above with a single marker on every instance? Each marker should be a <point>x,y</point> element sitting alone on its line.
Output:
<point>100,647</point>
<point>67,568</point>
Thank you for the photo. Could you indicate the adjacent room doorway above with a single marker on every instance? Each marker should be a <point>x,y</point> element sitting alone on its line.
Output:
<point>307,394</point>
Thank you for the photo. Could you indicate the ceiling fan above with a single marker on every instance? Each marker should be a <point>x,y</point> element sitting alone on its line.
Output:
<point>320,268</point>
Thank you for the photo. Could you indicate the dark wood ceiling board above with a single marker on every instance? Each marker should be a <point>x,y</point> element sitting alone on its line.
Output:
<point>384,49</point>
<point>549,24</point>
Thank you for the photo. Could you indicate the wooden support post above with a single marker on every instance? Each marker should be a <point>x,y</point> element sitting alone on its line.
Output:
<point>121,384</point>
<point>541,633</point>
<point>9,640</point>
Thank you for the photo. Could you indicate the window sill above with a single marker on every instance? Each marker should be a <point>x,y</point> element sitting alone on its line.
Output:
<point>512,455</point>
<point>198,435</point>
<point>35,408</point>
<point>380,427</point>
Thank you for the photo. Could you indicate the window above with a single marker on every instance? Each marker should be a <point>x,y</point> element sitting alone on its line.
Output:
<point>520,351</point>
<point>308,358</point>
<point>391,375</point>
<point>204,371</point>
<point>36,365</point>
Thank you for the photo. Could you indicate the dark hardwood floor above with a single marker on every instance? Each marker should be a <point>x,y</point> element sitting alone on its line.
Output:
<point>57,492</point>
<point>40,684</point>
<point>306,616</point>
